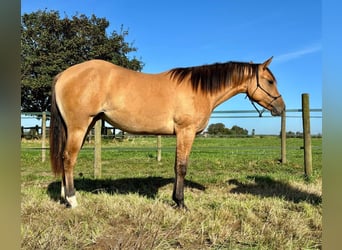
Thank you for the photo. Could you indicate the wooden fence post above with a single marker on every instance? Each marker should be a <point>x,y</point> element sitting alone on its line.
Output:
<point>97,149</point>
<point>159,148</point>
<point>306,135</point>
<point>44,137</point>
<point>283,137</point>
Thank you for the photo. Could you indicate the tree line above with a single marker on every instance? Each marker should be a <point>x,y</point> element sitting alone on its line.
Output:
<point>50,44</point>
<point>220,129</point>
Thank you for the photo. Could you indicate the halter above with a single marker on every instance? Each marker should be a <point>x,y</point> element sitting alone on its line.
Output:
<point>259,86</point>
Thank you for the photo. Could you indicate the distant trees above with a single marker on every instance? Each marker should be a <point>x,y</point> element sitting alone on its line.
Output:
<point>50,44</point>
<point>220,129</point>
<point>217,129</point>
<point>291,134</point>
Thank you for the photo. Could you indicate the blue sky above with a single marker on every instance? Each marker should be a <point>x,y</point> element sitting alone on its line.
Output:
<point>178,33</point>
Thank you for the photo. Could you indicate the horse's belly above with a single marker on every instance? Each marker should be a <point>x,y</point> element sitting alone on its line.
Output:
<point>141,123</point>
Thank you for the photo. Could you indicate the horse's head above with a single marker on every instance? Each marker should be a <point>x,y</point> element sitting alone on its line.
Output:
<point>263,90</point>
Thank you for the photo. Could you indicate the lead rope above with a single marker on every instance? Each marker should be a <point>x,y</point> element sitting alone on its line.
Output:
<point>260,112</point>
<point>258,85</point>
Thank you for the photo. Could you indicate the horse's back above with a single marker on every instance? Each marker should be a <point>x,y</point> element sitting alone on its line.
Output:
<point>130,100</point>
<point>102,74</point>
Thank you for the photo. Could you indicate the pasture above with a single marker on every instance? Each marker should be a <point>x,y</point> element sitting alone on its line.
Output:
<point>238,194</point>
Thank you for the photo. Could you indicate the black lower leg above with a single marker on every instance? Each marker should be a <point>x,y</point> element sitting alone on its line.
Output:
<point>69,187</point>
<point>178,189</point>
<point>179,200</point>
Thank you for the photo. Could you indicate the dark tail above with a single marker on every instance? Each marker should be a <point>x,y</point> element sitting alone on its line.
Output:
<point>58,134</point>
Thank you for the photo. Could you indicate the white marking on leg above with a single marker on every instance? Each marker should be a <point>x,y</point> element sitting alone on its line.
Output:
<point>72,201</point>
<point>62,192</point>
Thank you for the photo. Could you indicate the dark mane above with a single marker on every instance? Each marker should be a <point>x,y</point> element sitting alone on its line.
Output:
<point>211,78</point>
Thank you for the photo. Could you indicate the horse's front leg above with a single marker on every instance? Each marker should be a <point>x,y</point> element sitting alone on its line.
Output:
<point>185,138</point>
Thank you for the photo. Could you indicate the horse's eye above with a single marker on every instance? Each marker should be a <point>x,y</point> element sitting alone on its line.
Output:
<point>270,81</point>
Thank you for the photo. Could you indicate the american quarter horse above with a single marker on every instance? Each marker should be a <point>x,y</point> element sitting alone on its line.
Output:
<point>178,101</point>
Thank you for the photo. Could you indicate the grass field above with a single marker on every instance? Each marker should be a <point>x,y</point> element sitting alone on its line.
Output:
<point>238,194</point>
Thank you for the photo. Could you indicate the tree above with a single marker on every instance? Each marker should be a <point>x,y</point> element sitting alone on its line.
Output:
<point>220,129</point>
<point>50,44</point>
<point>216,129</point>
<point>290,134</point>
<point>236,130</point>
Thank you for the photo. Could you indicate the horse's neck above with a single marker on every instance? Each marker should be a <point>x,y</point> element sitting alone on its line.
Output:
<point>227,93</point>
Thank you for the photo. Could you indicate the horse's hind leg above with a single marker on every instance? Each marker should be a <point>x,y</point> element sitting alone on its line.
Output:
<point>63,200</point>
<point>72,148</point>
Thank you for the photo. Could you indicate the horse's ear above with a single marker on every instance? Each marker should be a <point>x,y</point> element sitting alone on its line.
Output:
<point>267,62</point>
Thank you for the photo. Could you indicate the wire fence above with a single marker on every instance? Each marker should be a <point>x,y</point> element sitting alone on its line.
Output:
<point>115,137</point>
<point>37,132</point>
<point>110,132</point>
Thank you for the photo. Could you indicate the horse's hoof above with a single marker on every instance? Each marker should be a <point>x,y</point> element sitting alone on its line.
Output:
<point>71,202</point>
<point>181,206</point>
<point>184,208</point>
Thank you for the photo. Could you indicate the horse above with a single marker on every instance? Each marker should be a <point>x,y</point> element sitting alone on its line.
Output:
<point>174,102</point>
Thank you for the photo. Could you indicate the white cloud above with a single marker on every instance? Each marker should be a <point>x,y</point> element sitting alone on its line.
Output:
<point>299,53</point>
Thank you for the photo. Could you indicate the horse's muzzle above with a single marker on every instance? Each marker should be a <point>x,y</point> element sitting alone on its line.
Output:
<point>277,110</point>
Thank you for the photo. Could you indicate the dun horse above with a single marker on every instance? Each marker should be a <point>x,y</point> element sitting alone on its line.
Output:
<point>179,101</point>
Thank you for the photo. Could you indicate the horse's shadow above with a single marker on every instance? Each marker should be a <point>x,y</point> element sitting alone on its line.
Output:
<point>264,186</point>
<point>145,186</point>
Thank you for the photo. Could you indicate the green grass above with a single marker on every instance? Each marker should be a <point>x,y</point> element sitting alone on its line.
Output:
<point>238,193</point>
